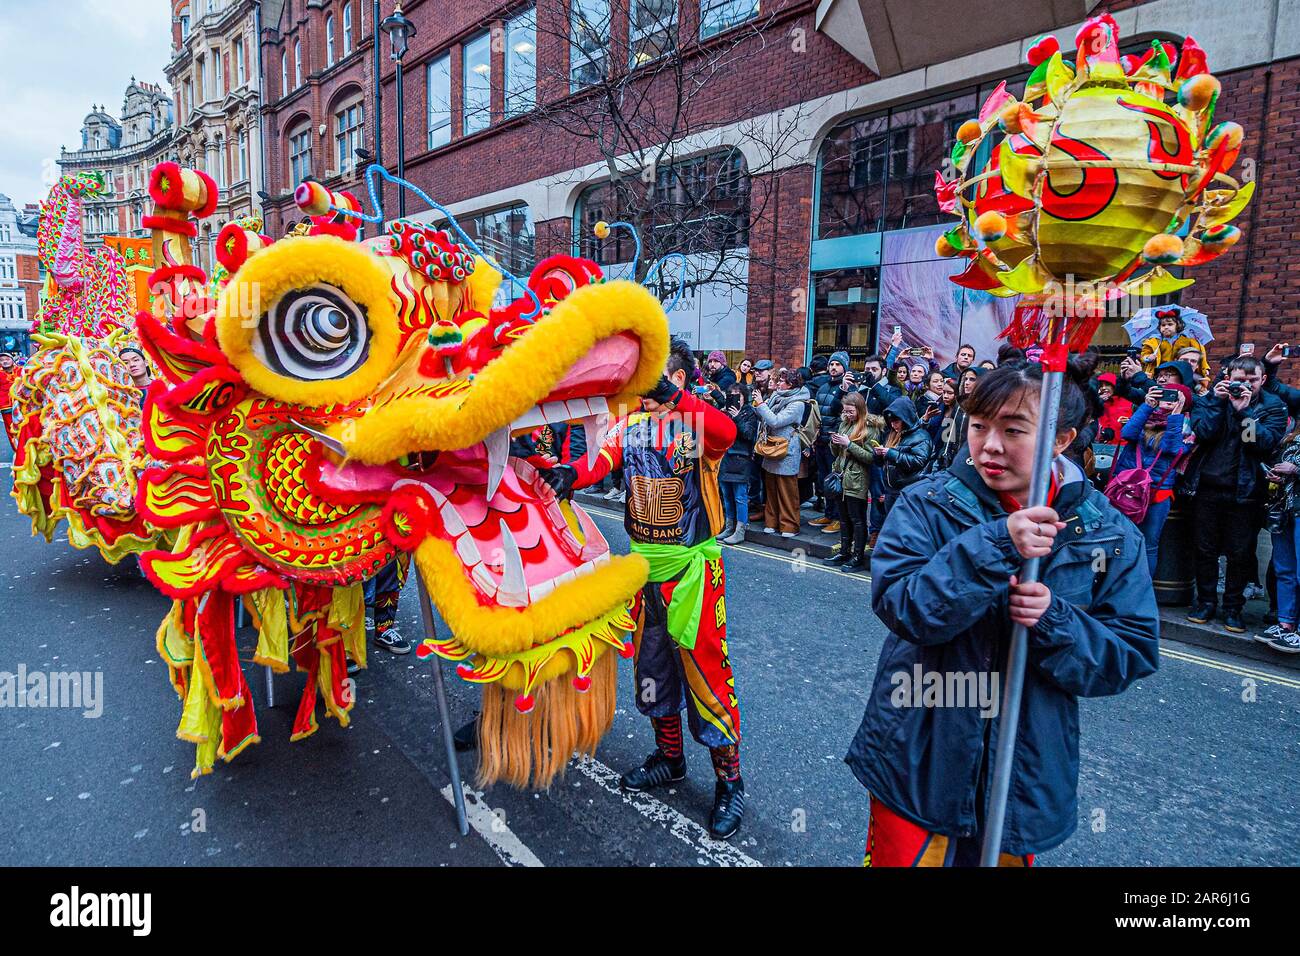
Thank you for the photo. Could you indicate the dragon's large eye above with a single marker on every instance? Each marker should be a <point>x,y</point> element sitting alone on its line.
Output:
<point>313,334</point>
<point>311,321</point>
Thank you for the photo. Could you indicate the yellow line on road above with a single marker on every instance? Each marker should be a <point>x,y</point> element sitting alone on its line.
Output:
<point>816,565</point>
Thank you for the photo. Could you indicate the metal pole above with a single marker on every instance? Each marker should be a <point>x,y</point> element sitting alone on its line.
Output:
<point>401,144</point>
<point>1049,404</point>
<point>378,119</point>
<point>444,716</point>
<point>270,686</point>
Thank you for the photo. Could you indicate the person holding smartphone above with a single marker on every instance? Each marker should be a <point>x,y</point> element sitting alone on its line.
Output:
<point>1153,439</point>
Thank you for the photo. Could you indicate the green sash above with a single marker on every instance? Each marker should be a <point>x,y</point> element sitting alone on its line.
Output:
<point>666,562</point>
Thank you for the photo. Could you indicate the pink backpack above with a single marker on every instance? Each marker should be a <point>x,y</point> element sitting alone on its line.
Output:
<point>1130,490</point>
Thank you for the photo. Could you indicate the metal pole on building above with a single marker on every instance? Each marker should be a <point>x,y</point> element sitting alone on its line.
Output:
<point>378,119</point>
<point>399,30</point>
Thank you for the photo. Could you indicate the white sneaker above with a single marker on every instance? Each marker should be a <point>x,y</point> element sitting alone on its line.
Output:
<point>1253,591</point>
<point>622,497</point>
<point>611,494</point>
<point>769,531</point>
<point>788,534</point>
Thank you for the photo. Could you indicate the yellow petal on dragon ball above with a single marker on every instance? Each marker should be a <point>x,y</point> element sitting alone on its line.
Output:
<point>1226,209</point>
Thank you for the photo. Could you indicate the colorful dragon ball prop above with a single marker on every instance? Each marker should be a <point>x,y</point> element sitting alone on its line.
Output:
<point>76,416</point>
<point>1105,173</point>
<point>342,401</point>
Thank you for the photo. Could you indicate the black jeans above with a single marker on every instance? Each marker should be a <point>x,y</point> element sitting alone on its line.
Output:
<point>853,526</point>
<point>825,461</point>
<point>1223,526</point>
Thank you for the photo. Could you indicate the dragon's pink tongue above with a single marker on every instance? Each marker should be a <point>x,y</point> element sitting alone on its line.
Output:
<point>355,477</point>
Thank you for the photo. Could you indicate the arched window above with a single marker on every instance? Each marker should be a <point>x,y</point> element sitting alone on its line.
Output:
<point>329,40</point>
<point>347,28</point>
<point>297,64</point>
<point>299,149</point>
<point>349,131</point>
<point>284,72</point>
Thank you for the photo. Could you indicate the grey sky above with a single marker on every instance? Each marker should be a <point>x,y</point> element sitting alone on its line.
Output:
<point>56,60</point>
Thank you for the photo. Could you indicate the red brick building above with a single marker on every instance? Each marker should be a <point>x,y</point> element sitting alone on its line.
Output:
<point>317,92</point>
<point>818,125</point>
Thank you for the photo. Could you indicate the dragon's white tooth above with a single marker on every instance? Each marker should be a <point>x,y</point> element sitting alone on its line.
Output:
<point>595,426</point>
<point>529,419</point>
<point>584,569</point>
<point>555,412</point>
<point>598,405</point>
<point>451,520</point>
<point>602,558</point>
<point>483,578</point>
<point>578,408</point>
<point>467,550</point>
<point>512,575</point>
<point>540,590</point>
<point>498,452</point>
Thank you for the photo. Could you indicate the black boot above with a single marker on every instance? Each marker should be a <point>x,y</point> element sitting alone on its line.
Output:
<point>854,564</point>
<point>466,738</point>
<point>657,771</point>
<point>728,808</point>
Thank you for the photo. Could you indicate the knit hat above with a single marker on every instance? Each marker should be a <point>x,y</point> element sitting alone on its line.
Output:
<point>716,355</point>
<point>841,357</point>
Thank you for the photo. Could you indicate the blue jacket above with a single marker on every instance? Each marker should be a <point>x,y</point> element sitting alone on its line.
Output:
<point>940,575</point>
<point>905,461</point>
<point>1171,445</point>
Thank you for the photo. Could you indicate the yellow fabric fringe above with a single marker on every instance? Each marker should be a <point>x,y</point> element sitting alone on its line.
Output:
<point>531,750</point>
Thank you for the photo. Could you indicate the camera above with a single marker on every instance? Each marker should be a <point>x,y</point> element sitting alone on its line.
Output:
<point>1236,389</point>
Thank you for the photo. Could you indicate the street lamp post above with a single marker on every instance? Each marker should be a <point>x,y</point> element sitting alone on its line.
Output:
<point>399,30</point>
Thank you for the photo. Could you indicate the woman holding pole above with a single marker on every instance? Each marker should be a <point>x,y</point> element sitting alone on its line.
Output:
<point>947,580</point>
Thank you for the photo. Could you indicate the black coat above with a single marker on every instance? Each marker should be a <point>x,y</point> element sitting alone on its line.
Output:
<point>737,463</point>
<point>906,461</point>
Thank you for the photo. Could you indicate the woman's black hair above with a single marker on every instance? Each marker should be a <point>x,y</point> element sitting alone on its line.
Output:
<point>1010,382</point>
<point>1010,353</point>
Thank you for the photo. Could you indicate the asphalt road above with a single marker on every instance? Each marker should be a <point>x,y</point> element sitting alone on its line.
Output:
<point>1199,764</point>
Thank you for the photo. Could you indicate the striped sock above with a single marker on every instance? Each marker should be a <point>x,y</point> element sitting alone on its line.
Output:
<point>668,735</point>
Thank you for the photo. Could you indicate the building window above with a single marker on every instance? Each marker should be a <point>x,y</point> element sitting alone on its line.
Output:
<point>242,142</point>
<point>478,83</point>
<point>201,65</point>
<point>185,22</point>
<point>241,68</point>
<point>507,236</point>
<point>349,133</point>
<point>217,86</point>
<point>13,306</point>
<point>698,206</point>
<point>652,30</point>
<point>439,93</point>
<point>589,23</point>
<point>187,95</point>
<point>347,28</point>
<point>299,154</point>
<point>8,264</point>
<point>218,173</point>
<point>329,40</point>
<point>876,173</point>
<point>521,63</point>
<point>297,64</point>
<point>719,15</point>
<point>284,73</point>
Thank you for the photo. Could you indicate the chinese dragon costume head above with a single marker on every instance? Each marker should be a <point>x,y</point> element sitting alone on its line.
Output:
<point>76,412</point>
<point>1106,172</point>
<point>341,401</point>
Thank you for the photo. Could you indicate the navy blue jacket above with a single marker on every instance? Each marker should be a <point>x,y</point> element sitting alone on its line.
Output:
<point>905,461</point>
<point>940,575</point>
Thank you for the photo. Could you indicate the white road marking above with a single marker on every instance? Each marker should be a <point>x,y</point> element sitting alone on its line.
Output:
<point>683,828</point>
<point>509,849</point>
